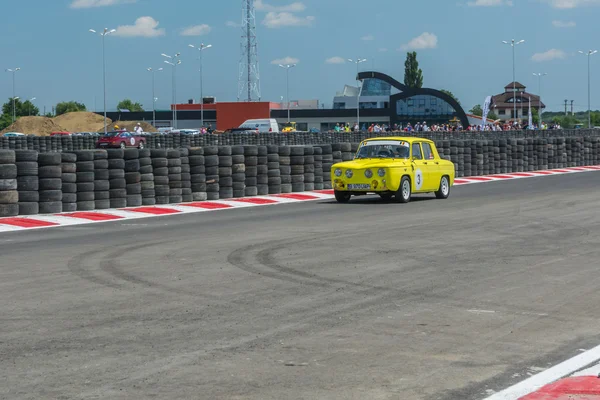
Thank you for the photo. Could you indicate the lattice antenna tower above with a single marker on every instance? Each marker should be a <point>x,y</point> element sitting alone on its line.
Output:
<point>249,76</point>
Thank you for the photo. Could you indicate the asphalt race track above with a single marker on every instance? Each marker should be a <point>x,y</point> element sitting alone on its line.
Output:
<point>370,300</point>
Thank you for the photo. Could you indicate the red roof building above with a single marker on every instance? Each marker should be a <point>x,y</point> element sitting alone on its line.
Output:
<point>503,103</point>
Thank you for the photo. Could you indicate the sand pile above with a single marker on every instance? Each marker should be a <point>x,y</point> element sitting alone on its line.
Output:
<point>129,126</point>
<point>82,121</point>
<point>41,126</point>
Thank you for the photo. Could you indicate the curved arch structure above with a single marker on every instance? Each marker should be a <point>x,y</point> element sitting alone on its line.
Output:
<point>407,92</point>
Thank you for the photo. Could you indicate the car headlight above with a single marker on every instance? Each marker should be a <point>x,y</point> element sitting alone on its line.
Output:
<point>381,172</point>
<point>369,173</point>
<point>338,172</point>
<point>349,173</point>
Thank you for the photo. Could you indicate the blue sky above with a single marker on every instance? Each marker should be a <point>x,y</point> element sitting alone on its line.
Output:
<point>458,43</point>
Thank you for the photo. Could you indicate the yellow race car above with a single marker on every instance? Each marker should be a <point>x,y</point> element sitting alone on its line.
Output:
<point>393,167</point>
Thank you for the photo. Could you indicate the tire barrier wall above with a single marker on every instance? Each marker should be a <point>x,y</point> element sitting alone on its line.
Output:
<point>175,141</point>
<point>84,180</point>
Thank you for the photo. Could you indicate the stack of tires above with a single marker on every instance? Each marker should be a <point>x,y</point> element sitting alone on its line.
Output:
<point>262,171</point>
<point>309,168</point>
<point>133,177</point>
<point>161,175</point>
<point>85,180</point>
<point>147,178</point>
<point>251,162</point>
<point>197,173</point>
<point>225,172</point>
<point>211,162</point>
<point>174,165</point>
<point>327,163</point>
<point>101,180</point>
<point>336,152</point>
<point>297,168</point>
<point>69,181</point>
<point>50,183</point>
<point>347,154</point>
<point>238,171</point>
<point>9,196</point>
<point>27,182</point>
<point>318,158</point>
<point>186,176</point>
<point>285,178</point>
<point>116,178</point>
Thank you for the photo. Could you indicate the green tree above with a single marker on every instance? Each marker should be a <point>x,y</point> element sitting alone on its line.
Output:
<point>566,121</point>
<point>449,93</point>
<point>595,118</point>
<point>413,75</point>
<point>5,121</point>
<point>69,106</point>
<point>476,110</point>
<point>492,116</point>
<point>22,108</point>
<point>129,105</point>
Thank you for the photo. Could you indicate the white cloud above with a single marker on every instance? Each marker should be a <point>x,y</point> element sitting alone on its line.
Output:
<point>564,24</point>
<point>98,3</point>
<point>552,54</point>
<point>281,19</point>
<point>425,41</point>
<point>368,38</point>
<point>293,7</point>
<point>489,3</point>
<point>197,30</point>
<point>232,24</point>
<point>143,27</point>
<point>571,3</point>
<point>285,60</point>
<point>335,60</point>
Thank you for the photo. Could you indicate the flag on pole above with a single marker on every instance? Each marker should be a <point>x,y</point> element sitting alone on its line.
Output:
<point>486,110</point>
<point>530,115</point>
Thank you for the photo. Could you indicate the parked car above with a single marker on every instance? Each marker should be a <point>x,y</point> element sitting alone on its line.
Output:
<point>121,139</point>
<point>262,125</point>
<point>60,133</point>
<point>13,134</point>
<point>393,167</point>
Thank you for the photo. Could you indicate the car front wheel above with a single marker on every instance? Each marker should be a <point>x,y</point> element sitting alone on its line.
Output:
<point>123,145</point>
<point>444,190</point>
<point>342,197</point>
<point>141,146</point>
<point>404,192</point>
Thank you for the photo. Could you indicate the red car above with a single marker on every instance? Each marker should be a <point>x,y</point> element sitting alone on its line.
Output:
<point>60,133</point>
<point>121,139</point>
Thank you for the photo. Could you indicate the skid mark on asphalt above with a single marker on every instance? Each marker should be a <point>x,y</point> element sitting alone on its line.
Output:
<point>79,266</point>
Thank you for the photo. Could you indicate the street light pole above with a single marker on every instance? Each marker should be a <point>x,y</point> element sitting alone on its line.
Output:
<point>539,75</point>
<point>104,33</point>
<point>358,61</point>
<point>287,73</point>
<point>589,55</point>
<point>31,105</point>
<point>13,71</point>
<point>513,44</point>
<point>153,97</point>
<point>201,48</point>
<point>174,64</point>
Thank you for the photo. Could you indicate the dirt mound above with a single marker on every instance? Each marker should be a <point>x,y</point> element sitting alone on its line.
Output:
<point>130,126</point>
<point>40,126</point>
<point>82,121</point>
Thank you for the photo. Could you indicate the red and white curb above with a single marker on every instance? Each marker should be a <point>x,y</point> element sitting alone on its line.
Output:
<point>122,214</point>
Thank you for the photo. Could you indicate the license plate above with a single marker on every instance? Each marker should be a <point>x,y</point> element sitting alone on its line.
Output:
<point>359,186</point>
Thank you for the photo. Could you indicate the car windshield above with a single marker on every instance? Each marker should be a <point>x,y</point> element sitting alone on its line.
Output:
<point>384,149</point>
<point>112,134</point>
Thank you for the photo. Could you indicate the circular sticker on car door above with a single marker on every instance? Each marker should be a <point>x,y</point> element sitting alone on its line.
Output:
<point>132,141</point>
<point>418,179</point>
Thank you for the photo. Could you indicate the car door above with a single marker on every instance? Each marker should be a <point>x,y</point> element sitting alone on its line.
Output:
<point>421,177</point>
<point>432,165</point>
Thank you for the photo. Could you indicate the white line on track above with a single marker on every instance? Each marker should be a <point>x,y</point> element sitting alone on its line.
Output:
<point>550,375</point>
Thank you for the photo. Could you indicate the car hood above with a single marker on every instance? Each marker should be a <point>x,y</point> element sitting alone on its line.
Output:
<point>373,163</point>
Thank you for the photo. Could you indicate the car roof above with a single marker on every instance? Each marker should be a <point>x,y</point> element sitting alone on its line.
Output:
<point>409,139</point>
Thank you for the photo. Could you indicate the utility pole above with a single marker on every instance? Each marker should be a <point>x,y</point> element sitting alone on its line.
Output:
<point>513,44</point>
<point>572,110</point>
<point>566,101</point>
<point>589,55</point>
<point>358,61</point>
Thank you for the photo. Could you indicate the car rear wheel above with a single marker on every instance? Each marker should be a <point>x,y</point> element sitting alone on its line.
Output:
<point>404,192</point>
<point>123,145</point>
<point>342,197</point>
<point>386,196</point>
<point>141,146</point>
<point>444,190</point>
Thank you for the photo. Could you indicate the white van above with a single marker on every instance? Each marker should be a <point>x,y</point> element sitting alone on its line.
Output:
<point>262,125</point>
